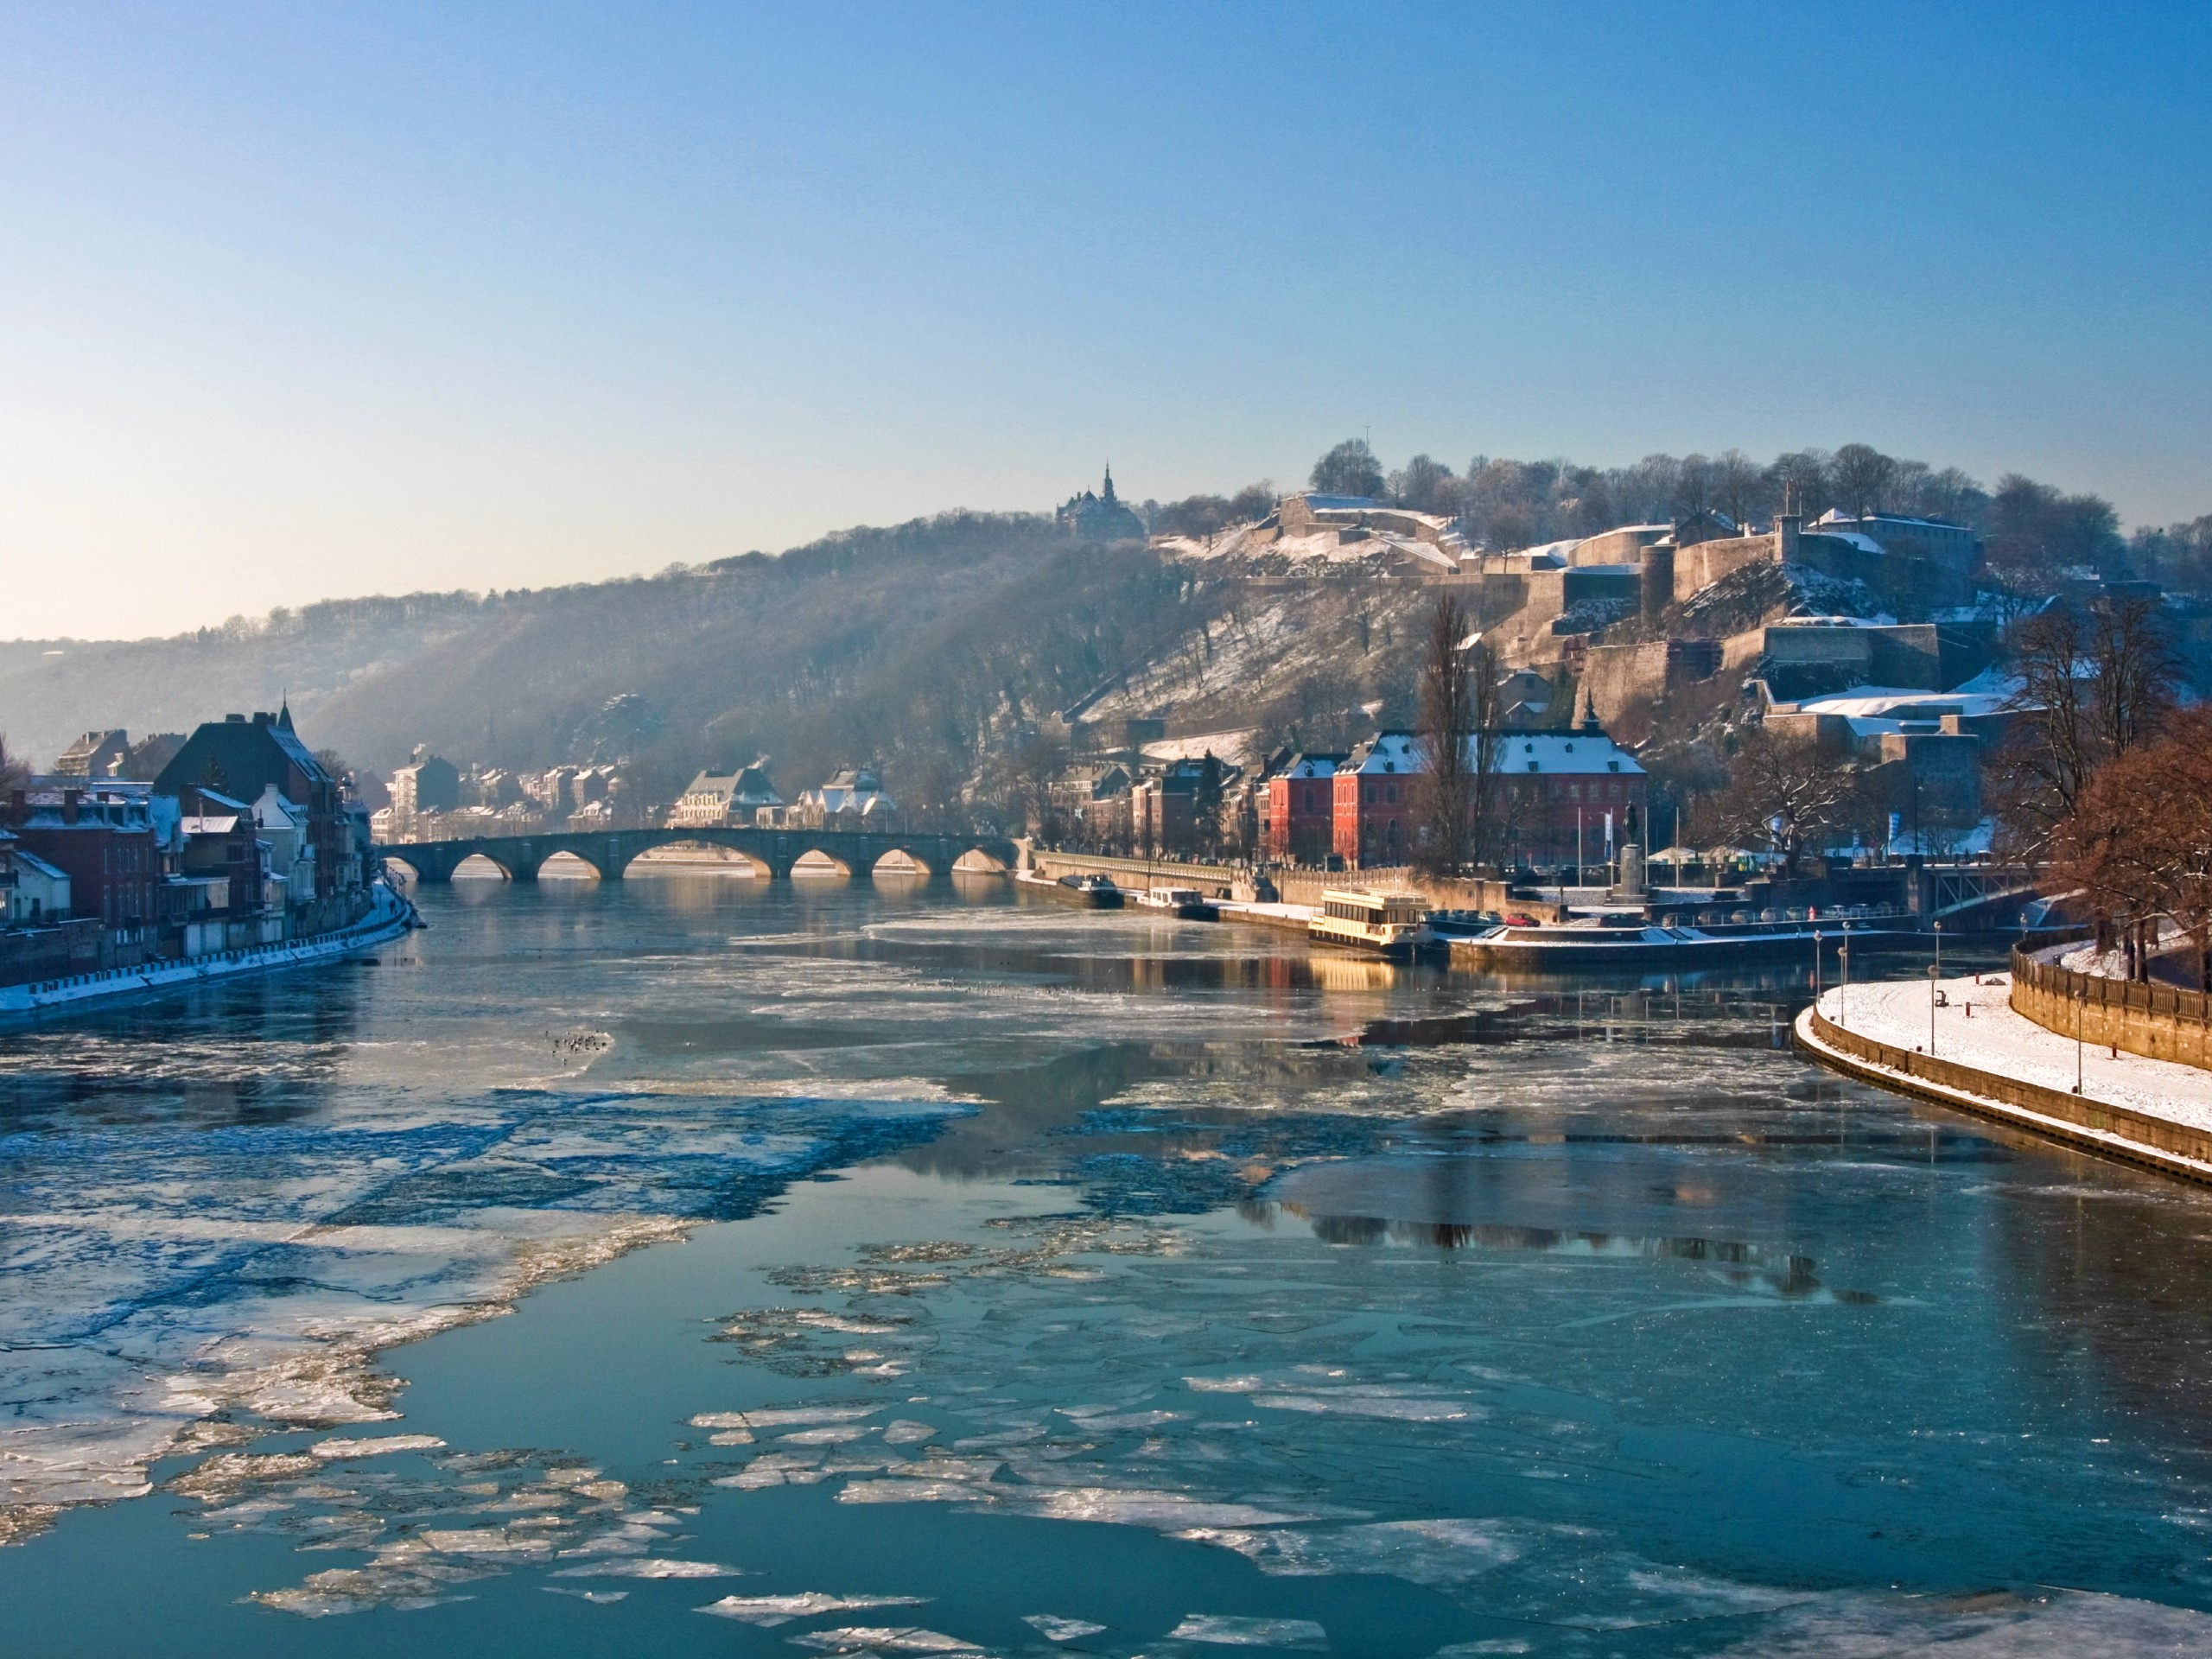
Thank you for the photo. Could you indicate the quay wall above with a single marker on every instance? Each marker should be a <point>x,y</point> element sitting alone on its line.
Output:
<point>2160,1022</point>
<point>2114,1131</point>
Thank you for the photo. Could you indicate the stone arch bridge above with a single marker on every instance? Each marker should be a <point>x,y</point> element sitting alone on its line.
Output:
<point>771,852</point>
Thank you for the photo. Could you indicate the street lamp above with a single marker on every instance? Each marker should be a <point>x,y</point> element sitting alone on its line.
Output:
<point>1843,990</point>
<point>2081,1008</point>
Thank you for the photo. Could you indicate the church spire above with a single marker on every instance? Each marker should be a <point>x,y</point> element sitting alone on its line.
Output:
<point>1108,496</point>
<point>1585,717</point>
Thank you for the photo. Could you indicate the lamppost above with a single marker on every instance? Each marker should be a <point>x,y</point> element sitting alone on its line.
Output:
<point>2081,1008</point>
<point>1938,969</point>
<point>1932,972</point>
<point>1843,990</point>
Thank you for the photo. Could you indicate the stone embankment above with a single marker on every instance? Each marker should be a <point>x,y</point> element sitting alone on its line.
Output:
<point>2160,1022</point>
<point>1961,1043</point>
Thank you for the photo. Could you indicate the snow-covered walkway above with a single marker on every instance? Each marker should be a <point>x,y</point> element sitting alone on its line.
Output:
<point>1995,1039</point>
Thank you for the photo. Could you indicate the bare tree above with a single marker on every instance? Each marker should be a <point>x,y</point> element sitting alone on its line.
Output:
<point>2094,682</point>
<point>14,775</point>
<point>1447,724</point>
<point>1803,474</point>
<point>1738,486</point>
<point>1349,469</point>
<point>1863,477</point>
<point>1693,480</point>
<point>1424,485</point>
<point>1488,801</point>
<point>1787,793</point>
<point>2138,845</point>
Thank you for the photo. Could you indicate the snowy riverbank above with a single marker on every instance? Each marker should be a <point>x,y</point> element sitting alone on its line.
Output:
<point>1960,1041</point>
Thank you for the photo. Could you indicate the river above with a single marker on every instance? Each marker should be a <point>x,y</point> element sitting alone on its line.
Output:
<point>698,1265</point>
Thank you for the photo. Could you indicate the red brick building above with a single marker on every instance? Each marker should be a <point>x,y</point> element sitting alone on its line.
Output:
<point>1562,785</point>
<point>108,841</point>
<point>1299,810</point>
<point>1374,811</point>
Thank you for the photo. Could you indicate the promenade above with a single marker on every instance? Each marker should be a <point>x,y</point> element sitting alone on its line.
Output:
<point>1975,1054</point>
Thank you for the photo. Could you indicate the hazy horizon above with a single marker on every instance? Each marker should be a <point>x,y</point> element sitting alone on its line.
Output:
<point>310,305</point>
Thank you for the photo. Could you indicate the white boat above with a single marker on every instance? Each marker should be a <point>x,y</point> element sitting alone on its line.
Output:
<point>1600,942</point>
<point>389,917</point>
<point>1388,924</point>
<point>1186,902</point>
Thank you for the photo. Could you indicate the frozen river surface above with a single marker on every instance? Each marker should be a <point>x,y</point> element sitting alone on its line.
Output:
<point>839,1269</point>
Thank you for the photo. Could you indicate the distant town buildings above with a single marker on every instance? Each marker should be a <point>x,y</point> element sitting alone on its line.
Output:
<point>853,797</point>
<point>727,799</point>
<point>242,838</point>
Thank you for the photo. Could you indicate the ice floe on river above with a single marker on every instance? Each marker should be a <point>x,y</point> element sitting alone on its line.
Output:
<point>171,1286</point>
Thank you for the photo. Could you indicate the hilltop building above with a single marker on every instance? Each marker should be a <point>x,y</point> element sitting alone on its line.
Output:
<point>1099,517</point>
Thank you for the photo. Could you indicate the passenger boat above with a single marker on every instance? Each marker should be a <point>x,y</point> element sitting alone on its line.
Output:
<point>1093,891</point>
<point>1388,924</point>
<point>1187,903</point>
<point>1595,943</point>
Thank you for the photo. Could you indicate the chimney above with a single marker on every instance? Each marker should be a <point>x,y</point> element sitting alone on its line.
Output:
<point>69,799</point>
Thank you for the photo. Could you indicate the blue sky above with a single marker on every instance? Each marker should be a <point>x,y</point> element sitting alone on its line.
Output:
<point>297,302</point>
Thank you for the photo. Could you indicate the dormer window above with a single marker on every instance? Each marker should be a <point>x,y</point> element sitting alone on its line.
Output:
<point>1532,765</point>
<point>1612,765</point>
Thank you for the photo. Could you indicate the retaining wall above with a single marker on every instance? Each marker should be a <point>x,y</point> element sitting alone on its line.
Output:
<point>2160,1022</point>
<point>2115,1131</point>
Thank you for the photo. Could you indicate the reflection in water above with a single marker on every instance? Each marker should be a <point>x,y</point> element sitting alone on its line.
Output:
<point>1783,1271</point>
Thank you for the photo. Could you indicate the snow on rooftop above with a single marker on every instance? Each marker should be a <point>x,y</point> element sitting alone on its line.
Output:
<point>1574,753</point>
<point>1893,702</point>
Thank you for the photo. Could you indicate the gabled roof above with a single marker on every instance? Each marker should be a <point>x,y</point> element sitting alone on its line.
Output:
<point>1311,765</point>
<point>236,753</point>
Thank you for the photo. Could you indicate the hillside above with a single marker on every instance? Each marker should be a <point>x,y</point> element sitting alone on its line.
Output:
<point>930,646</point>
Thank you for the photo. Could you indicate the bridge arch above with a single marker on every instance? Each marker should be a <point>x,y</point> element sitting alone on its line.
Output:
<point>480,866</point>
<point>727,860</point>
<point>902,863</point>
<point>769,851</point>
<point>567,864</point>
